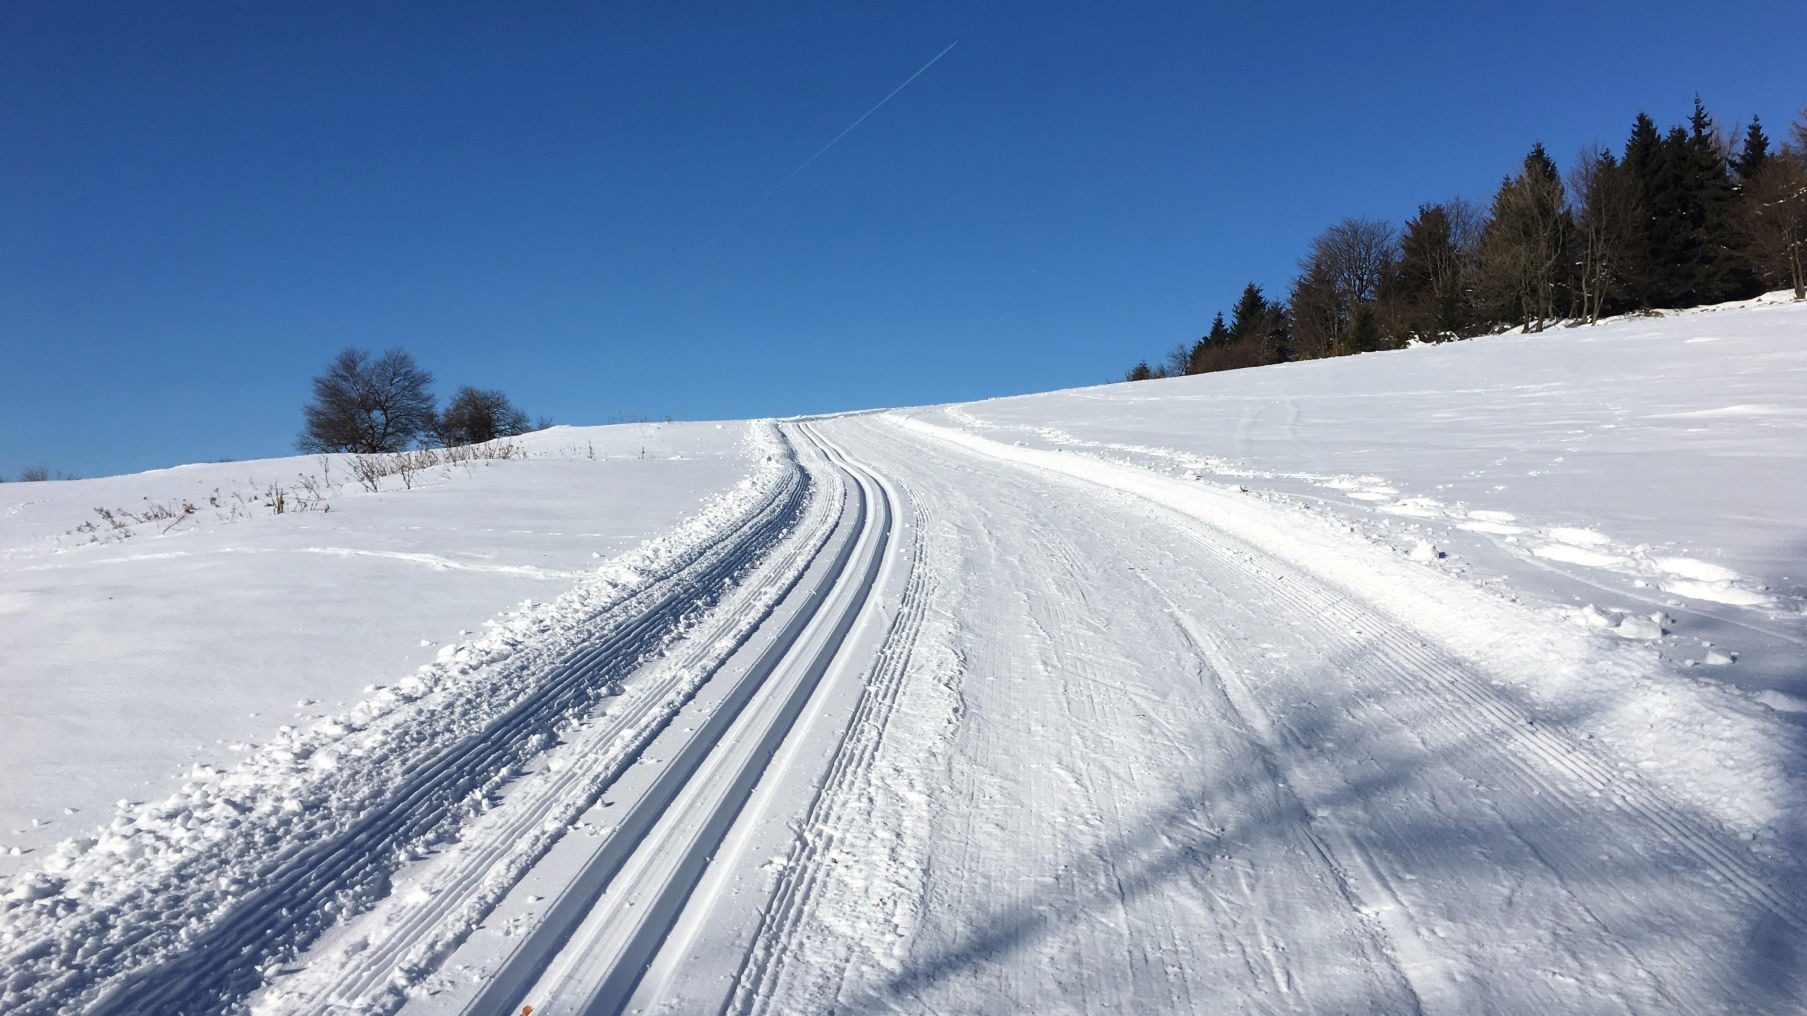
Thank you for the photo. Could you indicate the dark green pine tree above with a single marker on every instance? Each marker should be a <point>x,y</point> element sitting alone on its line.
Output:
<point>1421,288</point>
<point>1644,146</point>
<point>1281,345</point>
<point>1201,350</point>
<point>1364,330</point>
<point>1674,187</point>
<point>1755,153</point>
<point>1713,268</point>
<point>1248,319</point>
<point>1257,324</point>
<point>1523,253</point>
<point>1643,164</point>
<point>1219,333</point>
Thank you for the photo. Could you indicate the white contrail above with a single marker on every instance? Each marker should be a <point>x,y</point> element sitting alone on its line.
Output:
<point>862,119</point>
<point>753,206</point>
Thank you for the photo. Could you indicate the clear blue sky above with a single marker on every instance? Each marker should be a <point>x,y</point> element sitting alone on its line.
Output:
<point>200,203</point>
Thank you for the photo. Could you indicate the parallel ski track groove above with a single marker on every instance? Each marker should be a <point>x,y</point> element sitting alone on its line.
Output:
<point>502,993</point>
<point>694,661</point>
<point>664,910</point>
<point>221,963</point>
<point>774,942</point>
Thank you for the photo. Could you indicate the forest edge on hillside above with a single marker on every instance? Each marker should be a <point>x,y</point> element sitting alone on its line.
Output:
<point>1684,218</point>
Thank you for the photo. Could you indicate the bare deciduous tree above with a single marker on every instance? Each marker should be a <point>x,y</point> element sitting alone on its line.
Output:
<point>1355,254</point>
<point>1772,216</point>
<point>1607,213</point>
<point>1344,270</point>
<point>1317,314</point>
<point>365,404</point>
<point>1522,246</point>
<point>476,415</point>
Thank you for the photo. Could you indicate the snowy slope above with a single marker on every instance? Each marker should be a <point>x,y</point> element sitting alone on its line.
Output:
<point>132,654</point>
<point>1182,759</point>
<point>1643,464</point>
<point>1324,688</point>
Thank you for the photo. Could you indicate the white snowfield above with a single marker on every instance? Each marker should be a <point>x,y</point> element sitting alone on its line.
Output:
<point>1332,687</point>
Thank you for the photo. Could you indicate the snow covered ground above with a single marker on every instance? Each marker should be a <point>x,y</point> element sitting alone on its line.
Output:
<point>1642,465</point>
<point>1460,679</point>
<point>135,652</point>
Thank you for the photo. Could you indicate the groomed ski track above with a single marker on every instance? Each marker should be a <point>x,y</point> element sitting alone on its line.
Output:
<point>592,948</point>
<point>937,724</point>
<point>205,926</point>
<point>1095,750</point>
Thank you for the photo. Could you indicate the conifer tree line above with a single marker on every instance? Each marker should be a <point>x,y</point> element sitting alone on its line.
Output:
<point>1681,218</point>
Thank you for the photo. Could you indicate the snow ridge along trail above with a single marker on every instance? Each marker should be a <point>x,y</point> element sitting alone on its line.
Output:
<point>611,921</point>
<point>188,905</point>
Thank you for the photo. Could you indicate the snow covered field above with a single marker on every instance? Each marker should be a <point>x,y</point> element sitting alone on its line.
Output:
<point>1641,465</point>
<point>1459,679</point>
<point>133,653</point>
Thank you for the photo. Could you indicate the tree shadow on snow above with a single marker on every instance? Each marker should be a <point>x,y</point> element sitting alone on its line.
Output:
<point>1472,853</point>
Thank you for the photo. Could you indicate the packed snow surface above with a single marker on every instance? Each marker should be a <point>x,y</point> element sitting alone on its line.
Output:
<point>1465,678</point>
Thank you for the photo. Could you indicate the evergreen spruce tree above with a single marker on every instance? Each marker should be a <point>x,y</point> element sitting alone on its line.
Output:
<point>1755,152</point>
<point>1219,333</point>
<point>1423,293</point>
<point>1202,349</point>
<point>1248,319</point>
<point>1672,222</point>
<point>1364,330</point>
<point>1259,327</point>
<point>1281,344</point>
<point>1643,164</point>
<point>1713,269</point>
<point>1643,148</point>
<point>1316,314</point>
